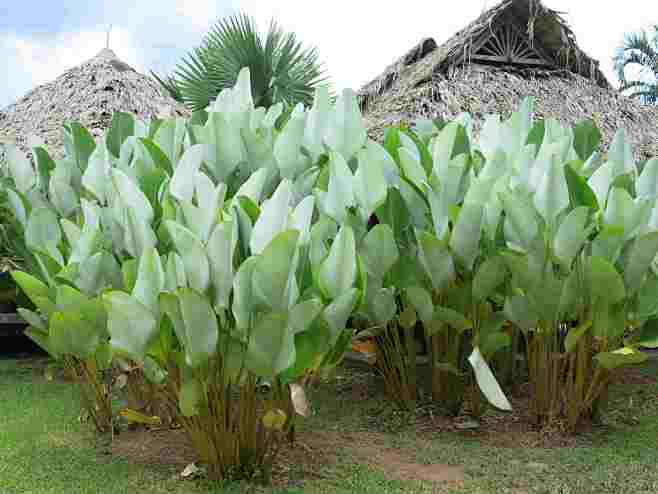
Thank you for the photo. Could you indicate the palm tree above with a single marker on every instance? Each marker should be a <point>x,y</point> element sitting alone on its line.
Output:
<point>282,70</point>
<point>641,51</point>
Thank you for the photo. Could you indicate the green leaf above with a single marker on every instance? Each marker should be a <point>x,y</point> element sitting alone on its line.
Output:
<point>571,235</point>
<point>158,158</point>
<point>422,302</point>
<point>648,336</point>
<point>220,254</point>
<point>273,274</point>
<point>271,347</point>
<point>42,339</point>
<point>606,283</point>
<point>243,299</point>
<point>492,343</point>
<point>45,166</point>
<point>465,238</point>
<point>80,144</point>
<point>452,318</point>
<point>370,186</point>
<point>338,312</point>
<point>302,315</point>
<point>379,252</point>
<point>587,138</point>
<point>150,280</point>
<point>574,335</point>
<point>273,218</point>
<point>620,358</point>
<point>640,257</point>
<point>382,305</point>
<point>70,334</point>
<point>520,312</point>
<point>132,326</point>
<point>182,183</point>
<point>490,275</point>
<point>33,319</point>
<point>153,372</point>
<point>437,261</point>
<point>195,324</point>
<point>121,127</point>
<point>20,169</point>
<point>337,273</point>
<point>580,193</point>
<point>43,233</point>
<point>188,245</point>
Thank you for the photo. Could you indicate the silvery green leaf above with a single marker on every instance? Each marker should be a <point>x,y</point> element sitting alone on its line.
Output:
<point>436,259</point>
<point>620,154</point>
<point>552,193</point>
<point>382,306</point>
<point>195,324</point>
<point>302,315</point>
<point>63,197</point>
<point>43,233</point>
<point>600,182</point>
<point>272,115</point>
<point>340,193</point>
<point>369,185</point>
<point>300,219</point>
<point>92,214</point>
<point>521,223</point>
<point>640,257</point>
<point>89,242</point>
<point>422,302</point>
<point>443,146</point>
<point>271,347</point>
<point>490,275</point>
<point>150,280</point>
<point>373,152</point>
<point>321,232</point>
<point>317,122</point>
<point>175,276</point>
<point>169,137</point>
<point>287,148</point>
<point>647,183</point>
<point>304,183</point>
<point>220,253</point>
<point>273,218</point>
<point>412,168</point>
<point>571,235</point>
<point>72,232</point>
<point>131,325</point>
<point>189,247</point>
<point>338,271</point>
<point>519,311</point>
<point>97,273</point>
<point>20,168</point>
<point>243,298</point>
<point>18,206</point>
<point>210,200</point>
<point>271,280</point>
<point>339,311</point>
<point>138,234</point>
<point>487,382</point>
<point>379,251</point>
<point>253,187</point>
<point>226,148</point>
<point>131,197</point>
<point>465,238</point>
<point>346,134</point>
<point>182,184</point>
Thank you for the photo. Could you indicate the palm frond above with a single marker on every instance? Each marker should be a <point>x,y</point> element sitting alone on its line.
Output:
<point>282,69</point>
<point>641,51</point>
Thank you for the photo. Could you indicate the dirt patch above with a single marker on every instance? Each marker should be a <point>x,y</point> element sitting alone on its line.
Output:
<point>169,448</point>
<point>394,465</point>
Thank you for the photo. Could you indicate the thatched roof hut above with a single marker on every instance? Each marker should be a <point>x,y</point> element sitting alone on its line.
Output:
<point>89,93</point>
<point>516,49</point>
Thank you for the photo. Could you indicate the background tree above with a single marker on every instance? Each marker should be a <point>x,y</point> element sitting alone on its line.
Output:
<point>639,50</point>
<point>282,70</point>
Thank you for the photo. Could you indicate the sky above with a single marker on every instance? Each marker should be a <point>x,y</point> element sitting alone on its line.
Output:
<point>357,39</point>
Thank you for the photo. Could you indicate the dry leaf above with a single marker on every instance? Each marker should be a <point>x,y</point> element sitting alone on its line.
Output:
<point>190,470</point>
<point>299,400</point>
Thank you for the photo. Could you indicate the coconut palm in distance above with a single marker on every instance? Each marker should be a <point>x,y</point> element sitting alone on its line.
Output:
<point>282,69</point>
<point>639,50</point>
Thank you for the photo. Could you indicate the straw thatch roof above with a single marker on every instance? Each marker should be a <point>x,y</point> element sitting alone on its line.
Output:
<point>89,93</point>
<point>516,49</point>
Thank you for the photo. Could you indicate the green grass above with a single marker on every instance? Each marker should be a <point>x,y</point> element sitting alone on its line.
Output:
<point>45,449</point>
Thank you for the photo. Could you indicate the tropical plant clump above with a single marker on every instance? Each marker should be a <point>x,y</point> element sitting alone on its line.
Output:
<point>223,262</point>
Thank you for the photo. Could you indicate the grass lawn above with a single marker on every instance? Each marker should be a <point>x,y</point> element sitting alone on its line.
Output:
<point>348,446</point>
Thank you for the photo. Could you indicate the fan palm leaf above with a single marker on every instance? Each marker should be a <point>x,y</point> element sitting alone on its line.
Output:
<point>641,51</point>
<point>281,68</point>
